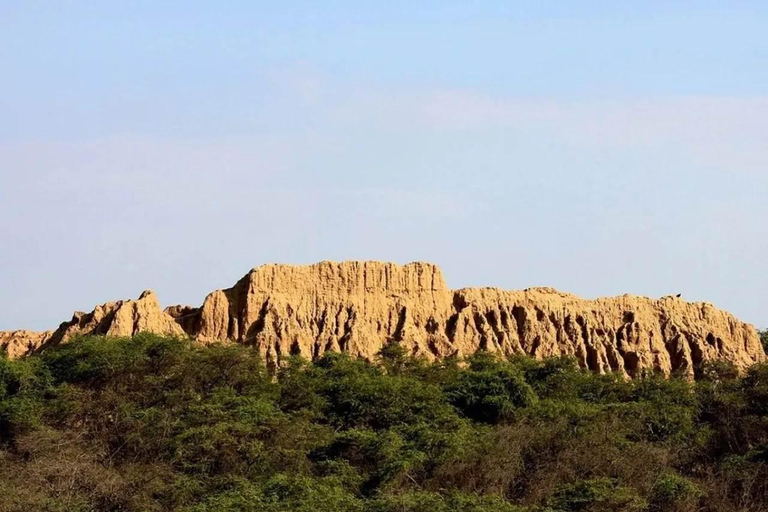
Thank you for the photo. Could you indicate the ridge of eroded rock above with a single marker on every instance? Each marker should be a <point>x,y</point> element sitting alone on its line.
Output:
<point>358,307</point>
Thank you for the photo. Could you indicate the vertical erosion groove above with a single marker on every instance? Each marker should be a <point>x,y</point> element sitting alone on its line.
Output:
<point>400,328</point>
<point>518,313</point>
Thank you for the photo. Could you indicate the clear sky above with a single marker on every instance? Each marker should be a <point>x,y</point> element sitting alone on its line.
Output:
<point>597,147</point>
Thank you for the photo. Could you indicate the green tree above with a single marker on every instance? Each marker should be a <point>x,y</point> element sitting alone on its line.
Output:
<point>489,389</point>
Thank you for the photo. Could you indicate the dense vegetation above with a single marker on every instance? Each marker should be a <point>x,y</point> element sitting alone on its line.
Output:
<point>156,424</point>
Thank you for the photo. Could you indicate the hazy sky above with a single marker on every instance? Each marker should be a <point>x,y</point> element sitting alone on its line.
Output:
<point>597,147</point>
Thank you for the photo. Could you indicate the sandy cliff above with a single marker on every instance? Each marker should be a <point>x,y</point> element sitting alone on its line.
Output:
<point>358,307</point>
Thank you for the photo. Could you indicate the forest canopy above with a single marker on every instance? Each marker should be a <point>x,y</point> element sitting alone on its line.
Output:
<point>160,424</point>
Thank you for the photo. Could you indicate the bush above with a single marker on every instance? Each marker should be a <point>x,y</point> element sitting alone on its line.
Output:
<point>673,493</point>
<point>489,390</point>
<point>23,386</point>
<point>597,495</point>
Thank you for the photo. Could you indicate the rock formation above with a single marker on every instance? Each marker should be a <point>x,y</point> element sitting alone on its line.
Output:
<point>121,318</point>
<point>18,343</point>
<point>358,307</point>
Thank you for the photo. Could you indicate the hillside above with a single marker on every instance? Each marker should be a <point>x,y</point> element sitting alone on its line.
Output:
<point>152,424</point>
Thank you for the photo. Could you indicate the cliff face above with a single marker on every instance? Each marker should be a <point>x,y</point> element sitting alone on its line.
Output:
<point>627,334</point>
<point>353,307</point>
<point>358,307</point>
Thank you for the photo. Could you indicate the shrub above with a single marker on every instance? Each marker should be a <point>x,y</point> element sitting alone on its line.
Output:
<point>673,493</point>
<point>23,386</point>
<point>489,390</point>
<point>597,495</point>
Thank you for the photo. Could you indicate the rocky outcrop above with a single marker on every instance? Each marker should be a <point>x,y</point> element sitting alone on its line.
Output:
<point>18,343</point>
<point>120,318</point>
<point>358,307</point>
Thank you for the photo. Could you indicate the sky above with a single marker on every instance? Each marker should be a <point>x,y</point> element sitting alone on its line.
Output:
<point>600,148</point>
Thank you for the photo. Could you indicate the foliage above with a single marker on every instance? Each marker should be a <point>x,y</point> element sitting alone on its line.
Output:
<point>597,495</point>
<point>161,424</point>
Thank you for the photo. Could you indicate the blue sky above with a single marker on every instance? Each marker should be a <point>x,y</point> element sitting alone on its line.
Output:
<point>597,147</point>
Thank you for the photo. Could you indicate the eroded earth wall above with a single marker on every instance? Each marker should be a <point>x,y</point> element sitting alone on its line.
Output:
<point>358,307</point>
